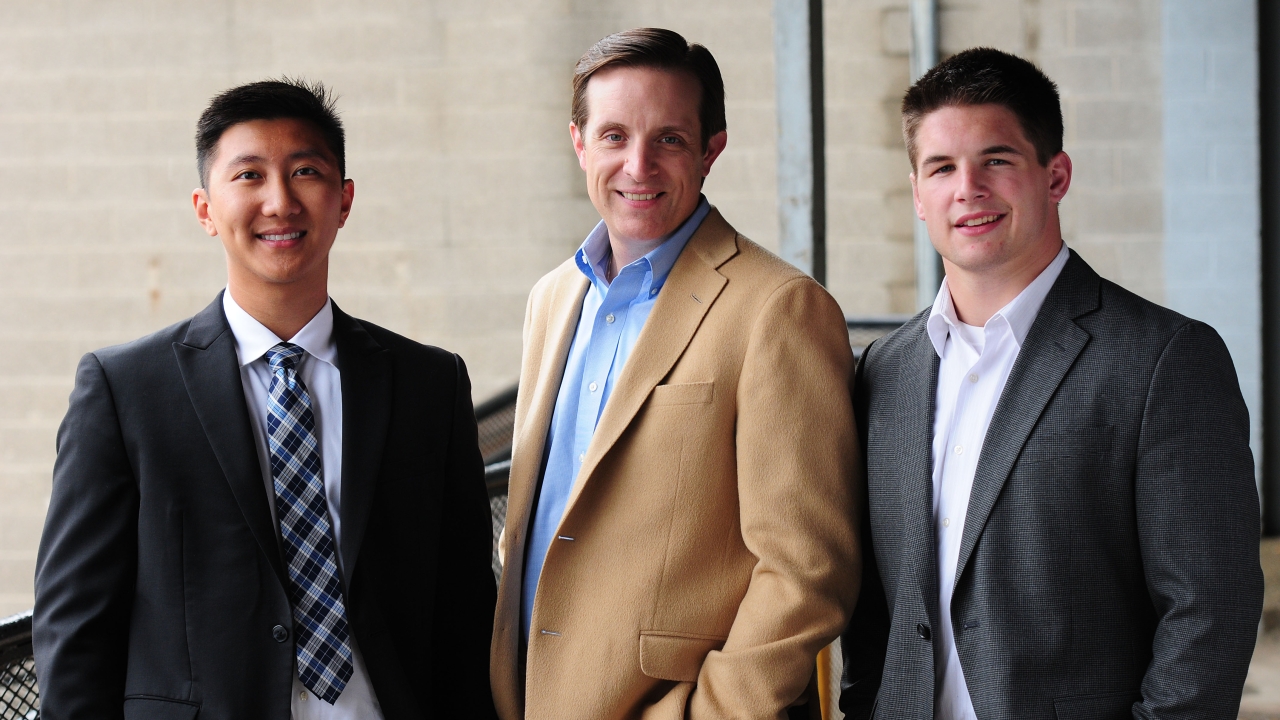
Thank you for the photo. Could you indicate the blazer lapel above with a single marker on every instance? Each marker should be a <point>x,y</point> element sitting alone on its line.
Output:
<point>913,454</point>
<point>1051,348</point>
<point>561,325</point>
<point>211,372</point>
<point>690,291</point>
<point>365,367</point>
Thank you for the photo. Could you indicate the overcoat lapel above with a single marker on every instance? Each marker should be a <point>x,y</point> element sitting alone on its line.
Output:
<point>918,377</point>
<point>365,367</point>
<point>211,372</point>
<point>1051,348</point>
<point>690,291</point>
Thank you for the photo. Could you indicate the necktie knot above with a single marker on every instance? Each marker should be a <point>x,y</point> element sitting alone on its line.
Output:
<point>284,356</point>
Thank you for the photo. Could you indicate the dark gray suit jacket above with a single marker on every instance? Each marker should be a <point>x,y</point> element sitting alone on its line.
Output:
<point>1109,561</point>
<point>160,584</point>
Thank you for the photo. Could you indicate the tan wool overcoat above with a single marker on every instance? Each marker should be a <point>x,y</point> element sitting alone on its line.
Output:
<point>709,548</point>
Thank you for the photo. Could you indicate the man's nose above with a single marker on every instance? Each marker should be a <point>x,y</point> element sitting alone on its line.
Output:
<point>973,184</point>
<point>640,164</point>
<point>280,201</point>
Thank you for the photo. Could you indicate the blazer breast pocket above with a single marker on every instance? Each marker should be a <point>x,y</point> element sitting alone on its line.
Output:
<point>675,656</point>
<point>699,393</point>
<point>156,708</point>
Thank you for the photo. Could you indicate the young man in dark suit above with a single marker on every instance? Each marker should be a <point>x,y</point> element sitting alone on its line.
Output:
<point>271,509</point>
<point>1062,501</point>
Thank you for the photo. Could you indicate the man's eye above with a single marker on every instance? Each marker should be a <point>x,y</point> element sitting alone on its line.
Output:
<point>306,171</point>
<point>248,175</point>
<point>944,169</point>
<point>997,161</point>
<point>613,137</point>
<point>671,140</point>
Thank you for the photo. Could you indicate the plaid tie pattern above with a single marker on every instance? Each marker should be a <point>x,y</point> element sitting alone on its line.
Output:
<point>315,586</point>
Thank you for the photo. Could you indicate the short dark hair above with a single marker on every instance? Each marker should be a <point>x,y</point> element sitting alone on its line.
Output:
<point>983,76</point>
<point>661,49</point>
<point>285,98</point>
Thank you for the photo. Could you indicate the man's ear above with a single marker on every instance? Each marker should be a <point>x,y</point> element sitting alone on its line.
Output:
<point>348,195</point>
<point>200,200</point>
<point>579,148</point>
<point>1059,177</point>
<point>915,196</point>
<point>715,146</point>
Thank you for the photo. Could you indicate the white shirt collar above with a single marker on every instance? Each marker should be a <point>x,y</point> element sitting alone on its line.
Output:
<point>1019,314</point>
<point>253,339</point>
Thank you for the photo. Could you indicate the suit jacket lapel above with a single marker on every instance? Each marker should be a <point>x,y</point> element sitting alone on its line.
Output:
<point>913,438</point>
<point>365,367</point>
<point>211,372</point>
<point>1050,349</point>
<point>690,291</point>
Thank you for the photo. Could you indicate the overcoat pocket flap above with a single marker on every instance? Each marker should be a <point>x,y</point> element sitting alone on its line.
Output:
<point>675,656</point>
<point>1100,706</point>
<point>155,708</point>
<point>683,394</point>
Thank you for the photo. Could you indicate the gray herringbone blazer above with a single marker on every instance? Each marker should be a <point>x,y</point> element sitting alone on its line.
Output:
<point>1109,562</point>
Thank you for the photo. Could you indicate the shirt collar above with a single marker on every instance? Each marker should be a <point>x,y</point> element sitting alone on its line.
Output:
<point>593,255</point>
<point>1019,314</point>
<point>253,339</point>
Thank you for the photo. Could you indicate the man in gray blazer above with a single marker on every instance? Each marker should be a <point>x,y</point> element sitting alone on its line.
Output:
<point>1061,495</point>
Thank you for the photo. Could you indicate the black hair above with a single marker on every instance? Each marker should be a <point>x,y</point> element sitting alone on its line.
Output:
<point>285,98</point>
<point>983,76</point>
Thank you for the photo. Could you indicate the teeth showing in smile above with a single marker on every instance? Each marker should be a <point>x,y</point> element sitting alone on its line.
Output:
<point>980,221</point>
<point>277,238</point>
<point>634,196</point>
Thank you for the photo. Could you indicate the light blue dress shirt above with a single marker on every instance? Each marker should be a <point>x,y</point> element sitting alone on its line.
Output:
<point>613,314</point>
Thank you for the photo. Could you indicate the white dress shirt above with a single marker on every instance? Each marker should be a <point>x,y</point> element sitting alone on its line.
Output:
<point>975,363</point>
<point>319,371</point>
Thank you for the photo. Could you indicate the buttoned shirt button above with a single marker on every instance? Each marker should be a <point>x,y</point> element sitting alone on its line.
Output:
<point>609,318</point>
<point>973,377</point>
<point>592,387</point>
<point>582,457</point>
<point>302,696</point>
<point>280,633</point>
<point>653,291</point>
<point>946,522</point>
<point>959,449</point>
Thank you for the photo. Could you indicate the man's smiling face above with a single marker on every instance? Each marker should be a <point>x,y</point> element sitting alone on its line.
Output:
<point>276,200</point>
<point>642,150</point>
<point>989,204</point>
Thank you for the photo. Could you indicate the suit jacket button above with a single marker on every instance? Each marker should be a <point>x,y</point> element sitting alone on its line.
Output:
<point>923,631</point>
<point>280,633</point>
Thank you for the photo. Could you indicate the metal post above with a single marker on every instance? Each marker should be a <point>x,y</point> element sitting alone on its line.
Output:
<point>1269,108</point>
<point>924,55</point>
<point>802,212</point>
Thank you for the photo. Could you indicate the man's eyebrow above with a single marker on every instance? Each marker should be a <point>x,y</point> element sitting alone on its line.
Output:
<point>1001,150</point>
<point>248,159</point>
<point>935,159</point>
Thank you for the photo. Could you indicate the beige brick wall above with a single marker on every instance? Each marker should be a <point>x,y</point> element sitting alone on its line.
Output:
<point>457,120</point>
<point>1105,57</point>
<point>467,188</point>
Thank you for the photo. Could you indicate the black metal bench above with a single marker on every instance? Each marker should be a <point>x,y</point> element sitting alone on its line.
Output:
<point>19,694</point>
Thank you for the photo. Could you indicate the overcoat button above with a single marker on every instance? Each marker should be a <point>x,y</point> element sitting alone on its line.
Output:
<point>280,633</point>
<point>923,631</point>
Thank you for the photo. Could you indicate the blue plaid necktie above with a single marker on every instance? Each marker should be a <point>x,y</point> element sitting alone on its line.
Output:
<point>315,586</point>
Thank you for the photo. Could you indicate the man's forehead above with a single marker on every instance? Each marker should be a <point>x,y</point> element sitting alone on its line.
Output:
<point>973,127</point>
<point>637,84</point>
<point>292,137</point>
